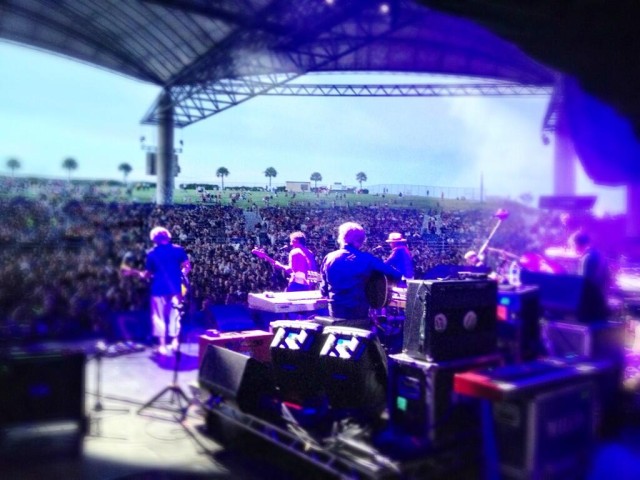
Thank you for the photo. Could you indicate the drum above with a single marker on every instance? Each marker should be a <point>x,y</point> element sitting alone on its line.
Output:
<point>535,262</point>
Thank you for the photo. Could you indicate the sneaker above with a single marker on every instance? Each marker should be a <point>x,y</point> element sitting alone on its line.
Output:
<point>162,350</point>
<point>174,345</point>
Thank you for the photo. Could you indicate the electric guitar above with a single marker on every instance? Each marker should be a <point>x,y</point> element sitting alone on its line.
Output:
<point>127,271</point>
<point>298,277</point>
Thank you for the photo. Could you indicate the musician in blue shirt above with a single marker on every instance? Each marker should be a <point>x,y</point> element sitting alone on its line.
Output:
<point>166,265</point>
<point>346,271</point>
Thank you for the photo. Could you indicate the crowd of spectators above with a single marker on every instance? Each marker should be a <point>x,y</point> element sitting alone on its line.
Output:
<point>60,257</point>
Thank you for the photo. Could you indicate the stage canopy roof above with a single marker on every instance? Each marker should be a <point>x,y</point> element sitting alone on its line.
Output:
<point>206,52</point>
<point>210,56</point>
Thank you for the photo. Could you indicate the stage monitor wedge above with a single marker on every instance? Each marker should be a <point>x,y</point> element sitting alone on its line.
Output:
<point>238,378</point>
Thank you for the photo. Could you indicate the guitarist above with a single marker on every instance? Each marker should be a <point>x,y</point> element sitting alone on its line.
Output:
<point>301,265</point>
<point>167,265</point>
<point>301,262</point>
<point>345,273</point>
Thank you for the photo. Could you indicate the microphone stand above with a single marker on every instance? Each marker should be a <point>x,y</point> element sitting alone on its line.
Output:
<point>175,393</point>
<point>100,352</point>
<point>502,215</point>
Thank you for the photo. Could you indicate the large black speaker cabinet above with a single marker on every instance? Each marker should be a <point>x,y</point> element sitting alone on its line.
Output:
<point>41,387</point>
<point>450,319</point>
<point>42,405</point>
<point>238,378</point>
<point>354,373</point>
<point>295,349</point>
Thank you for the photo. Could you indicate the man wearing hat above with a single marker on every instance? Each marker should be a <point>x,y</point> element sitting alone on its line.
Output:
<point>400,257</point>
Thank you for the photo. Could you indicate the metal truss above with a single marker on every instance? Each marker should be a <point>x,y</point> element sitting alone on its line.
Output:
<point>409,90</point>
<point>215,83</point>
<point>222,95</point>
<point>550,121</point>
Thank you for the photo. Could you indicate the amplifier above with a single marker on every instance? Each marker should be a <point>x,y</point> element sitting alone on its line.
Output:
<point>254,343</point>
<point>518,325</point>
<point>450,319</point>
<point>422,402</point>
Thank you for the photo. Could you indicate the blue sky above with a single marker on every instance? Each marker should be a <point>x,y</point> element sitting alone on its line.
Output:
<point>52,108</point>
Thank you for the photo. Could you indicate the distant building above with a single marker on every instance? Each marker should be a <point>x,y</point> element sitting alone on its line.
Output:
<point>298,186</point>
<point>339,187</point>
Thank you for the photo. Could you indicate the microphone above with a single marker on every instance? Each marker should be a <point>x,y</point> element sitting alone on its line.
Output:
<point>502,214</point>
<point>379,247</point>
<point>284,247</point>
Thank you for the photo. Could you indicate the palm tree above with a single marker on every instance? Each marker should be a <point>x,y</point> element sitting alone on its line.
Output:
<point>270,173</point>
<point>125,168</point>
<point>221,173</point>
<point>70,164</point>
<point>316,177</point>
<point>13,164</point>
<point>361,177</point>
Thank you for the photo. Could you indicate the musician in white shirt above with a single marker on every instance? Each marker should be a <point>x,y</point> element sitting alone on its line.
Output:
<point>301,263</point>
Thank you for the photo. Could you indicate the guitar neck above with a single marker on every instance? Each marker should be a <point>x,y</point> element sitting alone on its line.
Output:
<point>260,254</point>
<point>133,272</point>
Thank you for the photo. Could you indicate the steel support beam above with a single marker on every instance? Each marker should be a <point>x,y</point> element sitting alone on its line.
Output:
<point>223,95</point>
<point>165,160</point>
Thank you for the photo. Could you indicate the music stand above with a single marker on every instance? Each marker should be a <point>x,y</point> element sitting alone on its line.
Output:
<point>176,394</point>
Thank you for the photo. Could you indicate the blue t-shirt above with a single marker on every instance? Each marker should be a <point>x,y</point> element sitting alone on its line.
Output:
<point>165,262</point>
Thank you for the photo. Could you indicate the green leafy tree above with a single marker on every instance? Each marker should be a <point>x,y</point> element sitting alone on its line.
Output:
<point>270,173</point>
<point>125,168</point>
<point>70,164</point>
<point>316,177</point>
<point>13,164</point>
<point>221,173</point>
<point>361,177</point>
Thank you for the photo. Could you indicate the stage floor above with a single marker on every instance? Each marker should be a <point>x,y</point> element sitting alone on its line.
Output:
<point>124,444</point>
